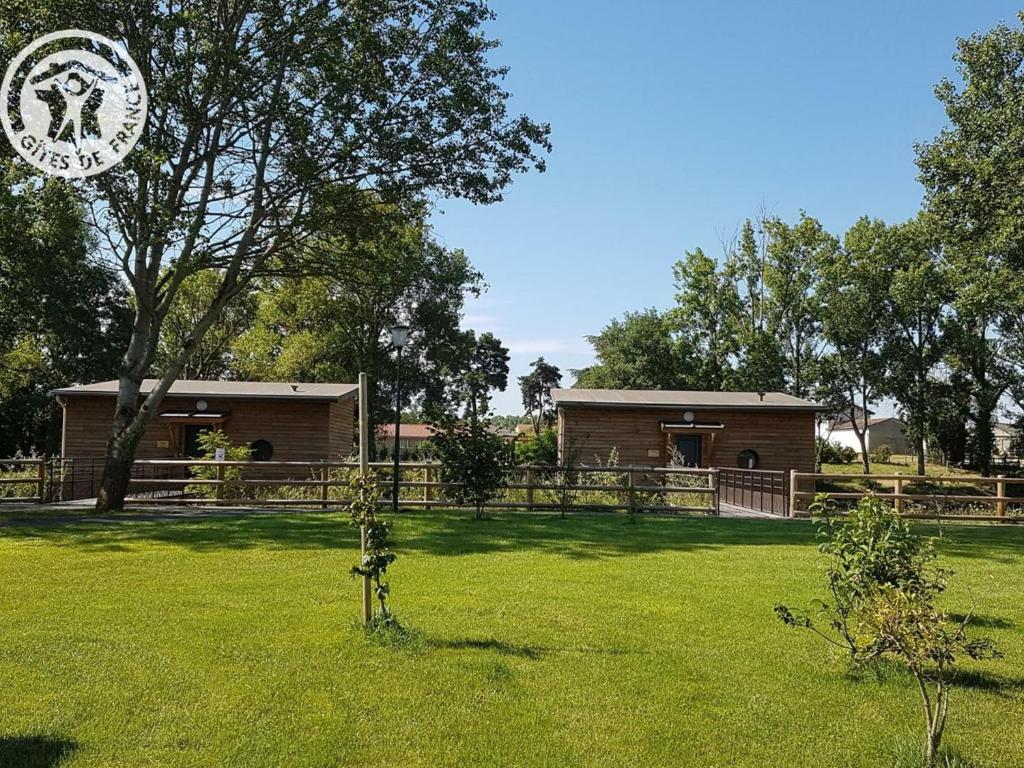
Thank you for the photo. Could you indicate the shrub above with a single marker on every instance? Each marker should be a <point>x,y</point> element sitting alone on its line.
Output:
<point>881,455</point>
<point>883,585</point>
<point>539,448</point>
<point>209,442</point>
<point>834,453</point>
<point>474,459</point>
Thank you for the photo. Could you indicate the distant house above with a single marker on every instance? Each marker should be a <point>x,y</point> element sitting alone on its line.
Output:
<point>882,431</point>
<point>411,437</point>
<point>750,430</point>
<point>1005,439</point>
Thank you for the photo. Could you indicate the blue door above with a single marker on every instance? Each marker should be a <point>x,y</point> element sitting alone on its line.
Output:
<point>689,450</point>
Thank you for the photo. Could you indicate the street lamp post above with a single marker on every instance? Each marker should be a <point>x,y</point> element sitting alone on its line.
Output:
<point>399,338</point>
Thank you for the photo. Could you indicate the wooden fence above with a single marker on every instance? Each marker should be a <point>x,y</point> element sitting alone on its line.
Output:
<point>31,475</point>
<point>954,497</point>
<point>323,484</point>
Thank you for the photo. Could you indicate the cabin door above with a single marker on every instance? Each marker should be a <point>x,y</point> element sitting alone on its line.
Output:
<point>192,433</point>
<point>689,447</point>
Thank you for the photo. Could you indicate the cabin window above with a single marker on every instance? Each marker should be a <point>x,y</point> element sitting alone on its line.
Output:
<point>748,459</point>
<point>261,450</point>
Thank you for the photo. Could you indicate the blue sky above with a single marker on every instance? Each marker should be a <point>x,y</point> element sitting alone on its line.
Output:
<point>671,123</point>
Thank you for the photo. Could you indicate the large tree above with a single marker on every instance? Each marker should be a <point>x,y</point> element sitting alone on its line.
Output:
<point>707,315</point>
<point>334,325</point>
<point>212,355</point>
<point>63,316</point>
<point>256,108</point>
<point>915,301</point>
<point>638,352</point>
<point>972,172</point>
<point>760,359</point>
<point>535,387</point>
<point>791,309</point>
<point>851,292</point>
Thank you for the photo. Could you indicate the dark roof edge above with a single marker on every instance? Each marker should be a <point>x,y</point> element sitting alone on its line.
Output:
<point>695,406</point>
<point>215,395</point>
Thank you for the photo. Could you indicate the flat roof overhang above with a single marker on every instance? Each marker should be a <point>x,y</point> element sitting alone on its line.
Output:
<point>193,417</point>
<point>696,407</point>
<point>692,426</point>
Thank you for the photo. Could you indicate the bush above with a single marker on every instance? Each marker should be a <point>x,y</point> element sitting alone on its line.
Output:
<point>883,585</point>
<point>473,459</point>
<point>538,448</point>
<point>881,455</point>
<point>834,453</point>
<point>209,442</point>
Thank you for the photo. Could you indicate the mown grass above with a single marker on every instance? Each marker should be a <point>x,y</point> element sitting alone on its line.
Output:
<point>537,642</point>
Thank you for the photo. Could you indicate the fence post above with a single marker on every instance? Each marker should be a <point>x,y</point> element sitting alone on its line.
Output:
<point>792,493</point>
<point>898,489</point>
<point>325,476</point>
<point>529,490</point>
<point>220,482</point>
<point>428,492</point>
<point>364,471</point>
<point>631,492</point>
<point>41,480</point>
<point>1001,494</point>
<point>713,483</point>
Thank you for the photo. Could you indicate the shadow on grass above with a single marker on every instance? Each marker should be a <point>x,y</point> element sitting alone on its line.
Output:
<point>988,622</point>
<point>454,533</point>
<point>34,751</point>
<point>505,649</point>
<point>987,682</point>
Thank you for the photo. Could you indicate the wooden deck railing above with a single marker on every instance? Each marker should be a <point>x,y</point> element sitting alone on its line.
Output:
<point>532,487</point>
<point>946,496</point>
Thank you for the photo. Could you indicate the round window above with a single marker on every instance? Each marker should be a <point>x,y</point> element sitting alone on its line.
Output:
<point>261,450</point>
<point>748,459</point>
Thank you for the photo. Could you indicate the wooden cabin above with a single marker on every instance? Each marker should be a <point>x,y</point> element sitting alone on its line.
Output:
<point>747,430</point>
<point>279,421</point>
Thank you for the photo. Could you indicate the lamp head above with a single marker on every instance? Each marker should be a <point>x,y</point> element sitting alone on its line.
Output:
<point>399,335</point>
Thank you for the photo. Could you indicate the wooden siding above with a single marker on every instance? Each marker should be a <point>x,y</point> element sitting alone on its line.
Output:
<point>341,438</point>
<point>298,431</point>
<point>783,440</point>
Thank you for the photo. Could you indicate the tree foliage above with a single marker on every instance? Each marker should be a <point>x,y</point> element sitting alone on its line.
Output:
<point>883,583</point>
<point>266,119</point>
<point>535,388</point>
<point>64,314</point>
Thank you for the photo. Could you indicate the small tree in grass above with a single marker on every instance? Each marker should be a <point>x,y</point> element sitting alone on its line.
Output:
<point>883,585</point>
<point>366,496</point>
<point>209,442</point>
<point>473,458</point>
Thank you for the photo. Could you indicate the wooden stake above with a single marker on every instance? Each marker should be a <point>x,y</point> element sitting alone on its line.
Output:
<point>364,468</point>
<point>41,481</point>
<point>792,493</point>
<point>1001,495</point>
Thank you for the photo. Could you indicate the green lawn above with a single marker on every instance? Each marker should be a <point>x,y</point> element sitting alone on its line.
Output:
<point>586,642</point>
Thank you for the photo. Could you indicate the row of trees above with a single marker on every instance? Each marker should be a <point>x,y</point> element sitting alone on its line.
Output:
<point>929,312</point>
<point>282,139</point>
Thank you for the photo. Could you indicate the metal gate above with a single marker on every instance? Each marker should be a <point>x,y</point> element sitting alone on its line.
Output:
<point>758,490</point>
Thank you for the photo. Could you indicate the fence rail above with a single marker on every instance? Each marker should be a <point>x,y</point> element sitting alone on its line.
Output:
<point>953,497</point>
<point>32,475</point>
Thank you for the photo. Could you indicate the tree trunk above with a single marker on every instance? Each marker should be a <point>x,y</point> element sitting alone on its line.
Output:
<point>124,437</point>
<point>921,448</point>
